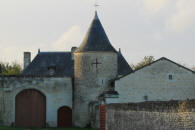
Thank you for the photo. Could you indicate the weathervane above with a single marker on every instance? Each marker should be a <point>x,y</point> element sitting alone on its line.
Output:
<point>96,5</point>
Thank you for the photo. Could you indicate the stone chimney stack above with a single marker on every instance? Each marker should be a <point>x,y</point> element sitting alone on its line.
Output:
<point>27,59</point>
<point>73,49</point>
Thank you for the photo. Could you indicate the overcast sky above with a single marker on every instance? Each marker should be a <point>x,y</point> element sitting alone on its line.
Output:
<point>161,28</point>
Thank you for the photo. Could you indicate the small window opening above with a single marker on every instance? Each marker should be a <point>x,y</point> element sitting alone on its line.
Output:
<point>145,97</point>
<point>170,77</point>
<point>52,70</point>
<point>101,81</point>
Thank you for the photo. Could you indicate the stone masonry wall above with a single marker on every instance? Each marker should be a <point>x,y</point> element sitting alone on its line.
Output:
<point>173,115</point>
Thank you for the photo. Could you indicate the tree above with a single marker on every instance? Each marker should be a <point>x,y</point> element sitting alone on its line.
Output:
<point>147,60</point>
<point>10,69</point>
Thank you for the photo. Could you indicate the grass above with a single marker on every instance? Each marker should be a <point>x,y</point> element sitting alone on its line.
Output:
<point>11,128</point>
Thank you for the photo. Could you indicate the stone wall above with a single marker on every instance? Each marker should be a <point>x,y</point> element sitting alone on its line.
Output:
<point>173,115</point>
<point>58,92</point>
<point>152,83</point>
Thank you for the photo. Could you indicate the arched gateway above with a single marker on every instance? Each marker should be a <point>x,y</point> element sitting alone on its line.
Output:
<point>30,109</point>
<point>64,117</point>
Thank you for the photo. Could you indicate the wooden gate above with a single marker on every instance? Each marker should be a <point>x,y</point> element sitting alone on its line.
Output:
<point>64,117</point>
<point>30,109</point>
<point>103,117</point>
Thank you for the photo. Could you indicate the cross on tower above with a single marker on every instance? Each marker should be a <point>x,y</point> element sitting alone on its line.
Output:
<point>96,63</point>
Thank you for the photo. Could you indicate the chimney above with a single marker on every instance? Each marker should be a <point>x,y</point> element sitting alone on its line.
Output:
<point>73,49</point>
<point>27,59</point>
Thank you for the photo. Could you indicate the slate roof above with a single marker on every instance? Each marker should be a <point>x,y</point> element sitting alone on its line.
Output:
<point>96,38</point>
<point>123,67</point>
<point>64,65</point>
<point>61,61</point>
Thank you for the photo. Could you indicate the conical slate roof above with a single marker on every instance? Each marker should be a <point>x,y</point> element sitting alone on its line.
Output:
<point>96,38</point>
<point>123,67</point>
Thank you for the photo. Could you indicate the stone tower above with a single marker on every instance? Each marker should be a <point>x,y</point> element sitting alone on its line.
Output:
<point>94,68</point>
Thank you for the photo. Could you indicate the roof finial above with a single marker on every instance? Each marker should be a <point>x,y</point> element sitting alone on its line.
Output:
<point>96,5</point>
<point>96,15</point>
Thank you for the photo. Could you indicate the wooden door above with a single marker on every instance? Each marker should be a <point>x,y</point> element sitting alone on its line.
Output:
<point>64,117</point>
<point>30,109</point>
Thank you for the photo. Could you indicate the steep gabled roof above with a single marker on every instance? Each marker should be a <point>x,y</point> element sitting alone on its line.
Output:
<point>123,67</point>
<point>61,61</point>
<point>163,58</point>
<point>96,38</point>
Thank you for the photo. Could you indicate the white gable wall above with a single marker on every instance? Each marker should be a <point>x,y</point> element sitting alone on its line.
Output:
<point>152,82</point>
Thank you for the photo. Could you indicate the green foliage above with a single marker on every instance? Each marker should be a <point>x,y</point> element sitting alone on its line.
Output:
<point>10,69</point>
<point>1,120</point>
<point>147,60</point>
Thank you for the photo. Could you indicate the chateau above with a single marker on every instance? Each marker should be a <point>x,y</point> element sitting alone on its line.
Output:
<point>61,89</point>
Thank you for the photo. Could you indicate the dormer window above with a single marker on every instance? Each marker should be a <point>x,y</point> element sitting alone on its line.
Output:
<point>52,70</point>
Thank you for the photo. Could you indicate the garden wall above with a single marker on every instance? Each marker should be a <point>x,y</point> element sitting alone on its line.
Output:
<point>172,115</point>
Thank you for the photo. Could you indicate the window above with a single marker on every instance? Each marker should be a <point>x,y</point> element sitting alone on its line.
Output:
<point>102,81</point>
<point>52,70</point>
<point>145,97</point>
<point>170,76</point>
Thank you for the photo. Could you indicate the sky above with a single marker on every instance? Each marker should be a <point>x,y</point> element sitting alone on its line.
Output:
<point>159,28</point>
